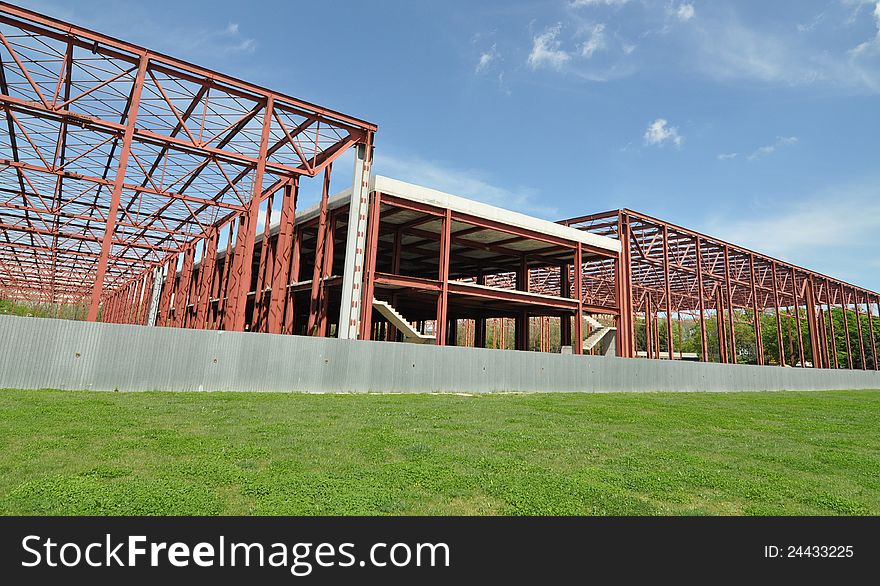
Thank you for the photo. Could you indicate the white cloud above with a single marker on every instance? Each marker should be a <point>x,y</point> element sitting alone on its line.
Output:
<point>872,44</point>
<point>487,58</point>
<point>546,49</point>
<point>727,156</point>
<point>595,41</point>
<point>470,183</point>
<point>781,141</point>
<point>732,52</point>
<point>805,233</point>
<point>728,51</point>
<point>581,3</point>
<point>502,85</point>
<point>138,23</point>
<point>659,133</point>
<point>685,12</point>
<point>810,26</point>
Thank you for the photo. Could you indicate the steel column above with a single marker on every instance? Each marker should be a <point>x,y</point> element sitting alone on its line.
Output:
<point>257,320</point>
<point>577,346</point>
<point>843,308</point>
<point>352,275</point>
<point>759,340</point>
<point>317,269</point>
<point>110,228</point>
<point>443,276</point>
<point>182,297</point>
<point>282,260</point>
<point>856,304</point>
<point>242,276</point>
<point>797,316</point>
<point>779,342</point>
<point>871,330</point>
<point>370,259</point>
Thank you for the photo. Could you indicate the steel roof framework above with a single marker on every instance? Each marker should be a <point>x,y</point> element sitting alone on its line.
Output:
<point>115,159</point>
<point>674,270</point>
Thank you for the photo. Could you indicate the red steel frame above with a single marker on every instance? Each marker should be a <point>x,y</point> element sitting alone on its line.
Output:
<point>125,172</point>
<point>117,160</point>
<point>590,277</point>
<point>676,271</point>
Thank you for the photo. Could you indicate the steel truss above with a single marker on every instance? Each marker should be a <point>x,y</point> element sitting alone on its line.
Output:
<point>116,161</point>
<point>132,183</point>
<point>673,271</point>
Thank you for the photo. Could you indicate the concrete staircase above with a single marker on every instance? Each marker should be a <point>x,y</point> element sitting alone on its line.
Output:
<point>599,333</point>
<point>410,334</point>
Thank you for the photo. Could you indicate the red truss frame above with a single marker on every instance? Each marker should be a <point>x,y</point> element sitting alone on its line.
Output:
<point>673,271</point>
<point>115,159</point>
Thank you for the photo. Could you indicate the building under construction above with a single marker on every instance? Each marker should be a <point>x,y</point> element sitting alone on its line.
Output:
<point>138,188</point>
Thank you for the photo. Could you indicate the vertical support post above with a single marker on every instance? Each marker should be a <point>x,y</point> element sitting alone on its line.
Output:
<point>843,307</point>
<point>797,316</point>
<point>779,341</point>
<point>372,250</point>
<point>730,309</point>
<point>670,346</point>
<point>206,278</point>
<point>521,322</point>
<point>116,194</point>
<point>443,276</point>
<point>352,276</point>
<point>282,261</point>
<point>871,330</point>
<point>812,325</point>
<point>859,324</point>
<point>395,270</point>
<point>625,321</point>
<point>480,322</point>
<point>823,333</point>
<point>290,313</point>
<point>565,291</point>
<point>154,296</point>
<point>181,300</point>
<point>146,299</point>
<point>759,340</point>
<point>720,323</point>
<point>223,284</point>
<point>241,277</point>
<point>829,305</point>
<point>317,269</point>
<point>577,343</point>
<point>701,291</point>
<point>326,273</point>
<point>260,289</point>
<point>167,290</point>
<point>823,330</point>
<point>630,293</point>
<point>452,332</point>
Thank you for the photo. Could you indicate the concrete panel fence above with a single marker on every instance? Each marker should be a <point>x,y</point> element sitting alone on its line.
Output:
<point>48,353</point>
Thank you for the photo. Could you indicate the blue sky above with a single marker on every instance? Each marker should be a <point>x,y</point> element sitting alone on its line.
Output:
<point>754,121</point>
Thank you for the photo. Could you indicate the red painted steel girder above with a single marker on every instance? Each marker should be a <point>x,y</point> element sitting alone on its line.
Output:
<point>122,157</point>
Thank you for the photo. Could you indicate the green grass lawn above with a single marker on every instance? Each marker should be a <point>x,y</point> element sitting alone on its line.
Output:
<point>620,454</point>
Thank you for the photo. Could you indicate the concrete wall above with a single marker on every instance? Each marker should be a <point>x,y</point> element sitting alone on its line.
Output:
<point>48,353</point>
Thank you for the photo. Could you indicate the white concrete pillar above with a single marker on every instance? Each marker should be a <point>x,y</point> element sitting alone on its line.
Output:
<point>353,272</point>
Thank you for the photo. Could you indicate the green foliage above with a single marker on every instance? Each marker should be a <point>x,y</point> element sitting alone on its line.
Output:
<point>271,453</point>
<point>29,309</point>
<point>686,337</point>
